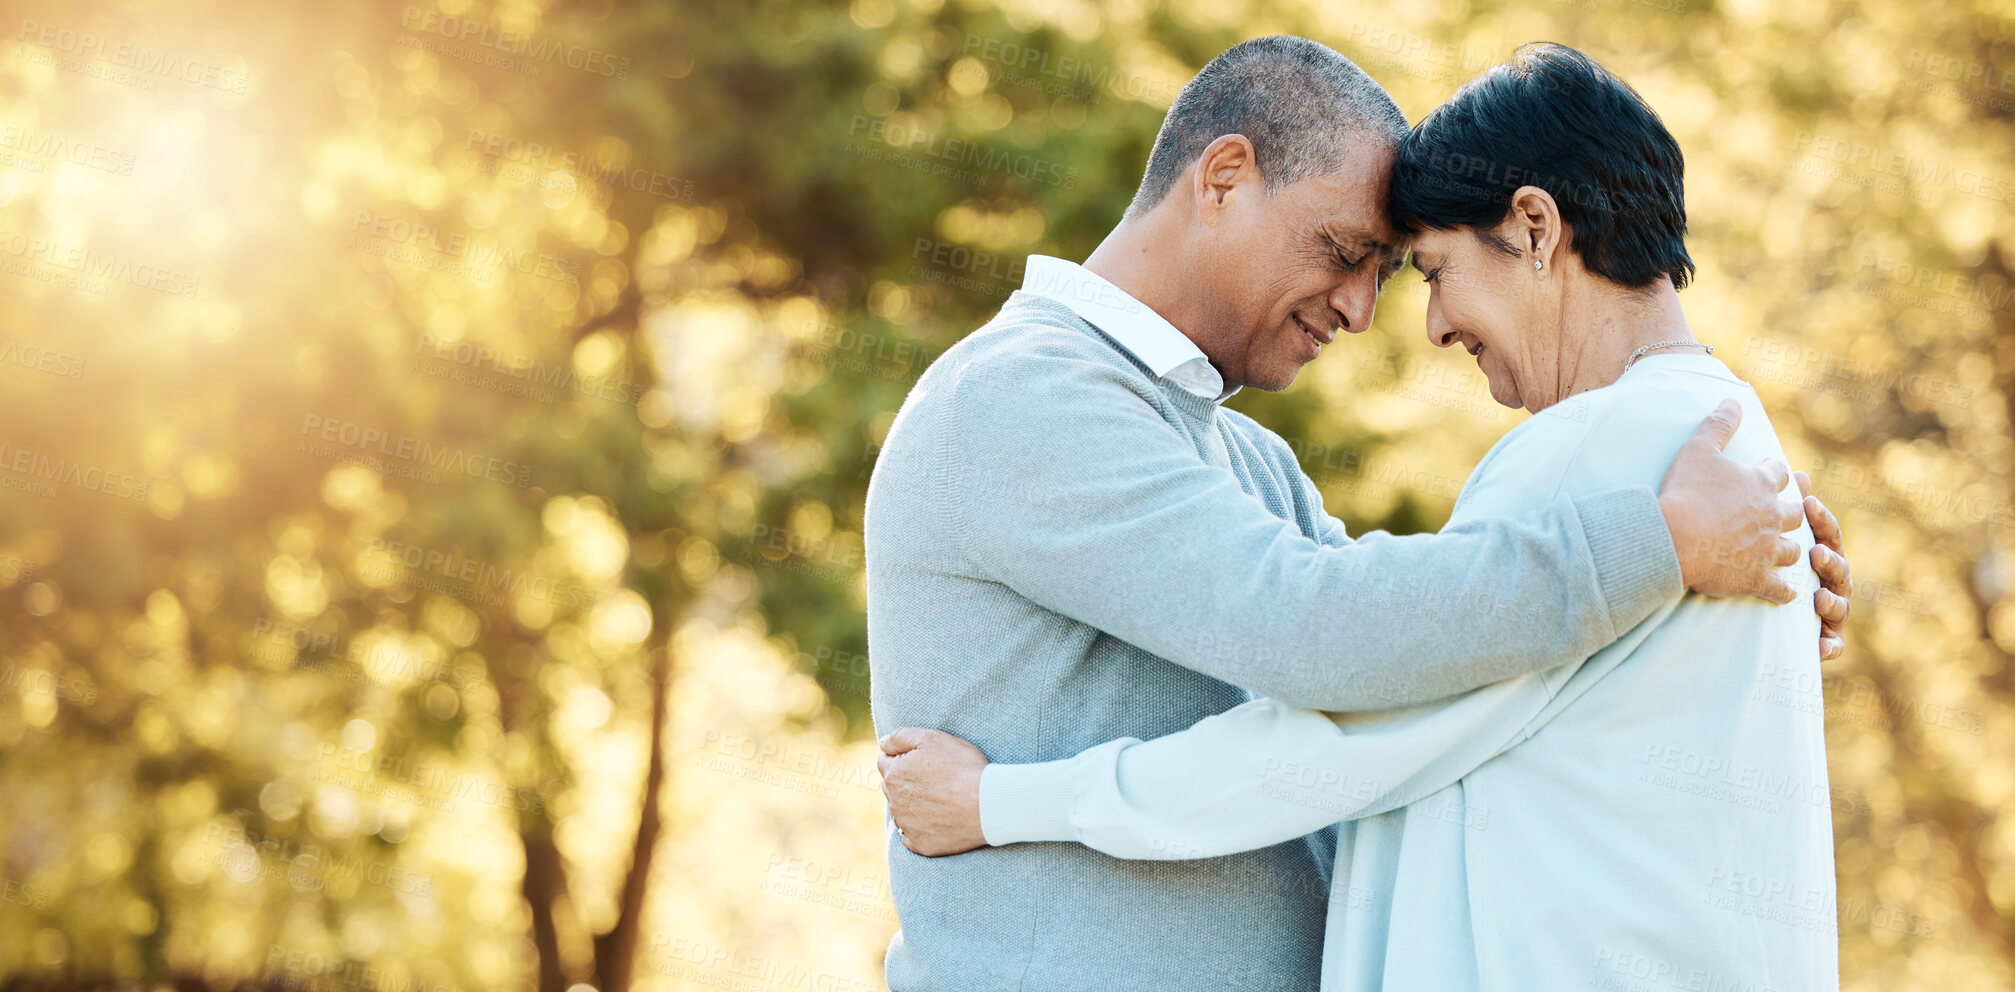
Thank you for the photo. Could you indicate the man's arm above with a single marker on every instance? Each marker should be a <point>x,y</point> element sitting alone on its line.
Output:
<point>1067,487</point>
<point>1833,601</point>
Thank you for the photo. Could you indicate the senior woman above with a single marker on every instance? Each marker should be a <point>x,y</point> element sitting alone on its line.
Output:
<point>1656,815</point>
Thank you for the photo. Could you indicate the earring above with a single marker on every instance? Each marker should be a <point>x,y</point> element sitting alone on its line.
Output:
<point>1538,265</point>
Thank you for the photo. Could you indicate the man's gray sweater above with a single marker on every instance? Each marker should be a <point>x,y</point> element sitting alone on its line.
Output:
<point>1064,549</point>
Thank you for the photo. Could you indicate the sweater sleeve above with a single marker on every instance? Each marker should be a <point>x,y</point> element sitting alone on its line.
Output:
<point>1062,483</point>
<point>1259,774</point>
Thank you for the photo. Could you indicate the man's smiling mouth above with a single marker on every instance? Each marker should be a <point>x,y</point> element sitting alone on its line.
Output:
<point>1316,339</point>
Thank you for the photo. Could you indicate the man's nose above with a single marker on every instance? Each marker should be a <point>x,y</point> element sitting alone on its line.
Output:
<point>1355,301</point>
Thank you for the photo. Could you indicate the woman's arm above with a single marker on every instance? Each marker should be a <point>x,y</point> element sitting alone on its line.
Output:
<point>1251,777</point>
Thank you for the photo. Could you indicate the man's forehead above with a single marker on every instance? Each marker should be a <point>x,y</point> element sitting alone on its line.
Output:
<point>1365,234</point>
<point>1353,213</point>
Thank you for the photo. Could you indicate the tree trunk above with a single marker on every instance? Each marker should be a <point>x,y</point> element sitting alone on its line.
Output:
<point>545,873</point>
<point>616,951</point>
<point>545,880</point>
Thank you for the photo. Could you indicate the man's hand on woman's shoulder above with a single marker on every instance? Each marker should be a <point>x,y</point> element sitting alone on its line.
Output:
<point>1729,527</point>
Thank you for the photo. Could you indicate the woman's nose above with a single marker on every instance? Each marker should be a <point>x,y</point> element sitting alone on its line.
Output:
<point>1439,333</point>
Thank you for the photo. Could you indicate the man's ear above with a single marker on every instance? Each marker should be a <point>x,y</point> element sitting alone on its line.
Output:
<point>1227,169</point>
<point>1535,225</point>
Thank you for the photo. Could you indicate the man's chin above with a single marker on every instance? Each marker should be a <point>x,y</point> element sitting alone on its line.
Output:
<point>1275,382</point>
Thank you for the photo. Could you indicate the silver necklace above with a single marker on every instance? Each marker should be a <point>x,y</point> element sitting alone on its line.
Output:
<point>1639,353</point>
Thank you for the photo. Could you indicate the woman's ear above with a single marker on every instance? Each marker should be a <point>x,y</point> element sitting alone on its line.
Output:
<point>1536,226</point>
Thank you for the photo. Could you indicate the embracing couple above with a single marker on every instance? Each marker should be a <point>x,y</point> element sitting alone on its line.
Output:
<point>1178,730</point>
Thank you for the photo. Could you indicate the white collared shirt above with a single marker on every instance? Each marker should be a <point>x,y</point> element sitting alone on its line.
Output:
<point>1167,352</point>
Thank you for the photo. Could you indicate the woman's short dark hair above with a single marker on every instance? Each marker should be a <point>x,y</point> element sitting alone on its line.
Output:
<point>1556,119</point>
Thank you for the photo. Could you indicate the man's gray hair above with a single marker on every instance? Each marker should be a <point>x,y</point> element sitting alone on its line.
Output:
<point>1298,101</point>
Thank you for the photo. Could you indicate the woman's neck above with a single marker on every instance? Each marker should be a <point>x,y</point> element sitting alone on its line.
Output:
<point>1607,324</point>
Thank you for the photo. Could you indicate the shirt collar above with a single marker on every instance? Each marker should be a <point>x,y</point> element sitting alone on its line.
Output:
<point>1167,352</point>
